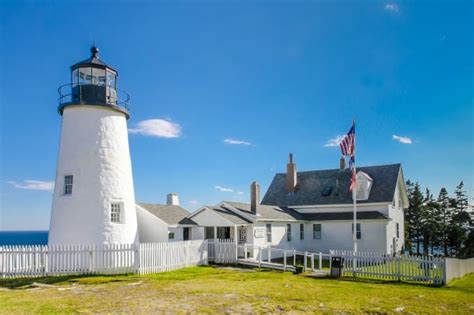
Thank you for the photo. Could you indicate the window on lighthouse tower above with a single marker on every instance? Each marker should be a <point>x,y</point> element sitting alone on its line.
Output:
<point>115,212</point>
<point>68,179</point>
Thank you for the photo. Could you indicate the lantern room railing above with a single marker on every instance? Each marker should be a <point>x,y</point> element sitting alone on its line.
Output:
<point>93,95</point>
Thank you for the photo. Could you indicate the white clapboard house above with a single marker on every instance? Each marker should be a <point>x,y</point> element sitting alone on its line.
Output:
<point>169,222</point>
<point>312,211</point>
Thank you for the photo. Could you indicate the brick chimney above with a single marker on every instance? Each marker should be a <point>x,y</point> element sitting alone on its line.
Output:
<point>254,197</point>
<point>172,199</point>
<point>291,175</point>
<point>342,164</point>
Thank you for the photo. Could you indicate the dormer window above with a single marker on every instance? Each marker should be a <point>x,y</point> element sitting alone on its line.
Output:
<point>364,185</point>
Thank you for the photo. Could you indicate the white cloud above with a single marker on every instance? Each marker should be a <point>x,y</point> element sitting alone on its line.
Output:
<point>194,202</point>
<point>392,7</point>
<point>401,139</point>
<point>160,128</point>
<point>234,141</point>
<point>334,142</point>
<point>220,188</point>
<point>240,193</point>
<point>32,184</point>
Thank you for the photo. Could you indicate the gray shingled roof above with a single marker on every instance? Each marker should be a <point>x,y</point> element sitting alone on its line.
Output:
<point>311,183</point>
<point>229,215</point>
<point>334,216</point>
<point>267,212</point>
<point>173,215</point>
<point>277,213</point>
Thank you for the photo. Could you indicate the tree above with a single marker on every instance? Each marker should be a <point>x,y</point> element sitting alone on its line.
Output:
<point>414,216</point>
<point>445,205</point>
<point>431,226</point>
<point>460,220</point>
<point>467,251</point>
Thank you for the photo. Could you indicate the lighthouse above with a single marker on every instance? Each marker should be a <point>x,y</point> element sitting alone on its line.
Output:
<point>94,200</point>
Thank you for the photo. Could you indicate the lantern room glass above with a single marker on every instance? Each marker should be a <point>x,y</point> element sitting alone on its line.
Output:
<point>94,76</point>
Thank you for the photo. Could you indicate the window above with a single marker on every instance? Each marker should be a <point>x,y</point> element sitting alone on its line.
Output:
<point>242,235</point>
<point>398,230</point>
<point>316,231</point>
<point>68,185</point>
<point>269,233</point>
<point>209,232</point>
<point>288,232</point>
<point>171,235</point>
<point>75,77</point>
<point>400,205</point>
<point>115,212</point>
<point>358,231</point>
<point>301,231</point>
<point>223,232</point>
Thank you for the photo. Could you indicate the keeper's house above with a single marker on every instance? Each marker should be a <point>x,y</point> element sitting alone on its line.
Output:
<point>163,223</point>
<point>313,211</point>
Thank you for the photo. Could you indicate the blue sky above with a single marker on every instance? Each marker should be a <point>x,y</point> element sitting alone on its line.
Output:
<point>270,77</point>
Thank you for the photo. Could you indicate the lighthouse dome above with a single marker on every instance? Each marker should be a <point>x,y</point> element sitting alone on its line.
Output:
<point>93,82</point>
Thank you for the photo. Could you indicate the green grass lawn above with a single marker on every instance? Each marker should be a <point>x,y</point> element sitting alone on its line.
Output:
<point>211,289</point>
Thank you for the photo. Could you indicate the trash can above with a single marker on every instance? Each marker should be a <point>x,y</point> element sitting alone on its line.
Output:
<point>336,266</point>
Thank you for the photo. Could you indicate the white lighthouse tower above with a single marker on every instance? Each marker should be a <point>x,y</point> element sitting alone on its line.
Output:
<point>94,200</point>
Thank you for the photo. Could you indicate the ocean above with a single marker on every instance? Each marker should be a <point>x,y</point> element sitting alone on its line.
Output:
<point>23,238</point>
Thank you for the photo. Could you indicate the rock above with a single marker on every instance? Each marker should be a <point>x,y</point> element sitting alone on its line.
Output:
<point>399,309</point>
<point>42,285</point>
<point>136,283</point>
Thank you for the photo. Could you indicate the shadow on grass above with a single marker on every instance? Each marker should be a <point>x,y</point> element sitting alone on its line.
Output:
<point>24,283</point>
<point>374,281</point>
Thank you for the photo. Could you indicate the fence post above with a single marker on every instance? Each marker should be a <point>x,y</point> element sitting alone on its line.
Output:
<point>46,259</point>
<point>269,258</point>
<point>312,261</point>
<point>294,257</point>
<point>259,257</point>
<point>320,261</point>
<point>136,262</point>
<point>284,260</point>
<point>399,260</point>
<point>245,251</point>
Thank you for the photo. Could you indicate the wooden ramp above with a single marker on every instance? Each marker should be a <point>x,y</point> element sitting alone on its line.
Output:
<point>266,264</point>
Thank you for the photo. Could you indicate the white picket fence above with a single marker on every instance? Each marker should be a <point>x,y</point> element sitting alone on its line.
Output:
<point>393,267</point>
<point>159,257</point>
<point>29,261</point>
<point>222,251</point>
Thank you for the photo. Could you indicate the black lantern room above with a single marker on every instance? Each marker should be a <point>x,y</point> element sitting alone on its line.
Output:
<point>93,82</point>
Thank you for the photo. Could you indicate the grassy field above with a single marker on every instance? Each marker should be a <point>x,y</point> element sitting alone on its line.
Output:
<point>211,289</point>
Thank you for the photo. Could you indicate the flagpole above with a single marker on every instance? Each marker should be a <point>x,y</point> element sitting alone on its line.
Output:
<point>354,206</point>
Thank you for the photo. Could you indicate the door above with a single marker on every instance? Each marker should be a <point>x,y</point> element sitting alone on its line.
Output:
<point>186,233</point>
<point>242,239</point>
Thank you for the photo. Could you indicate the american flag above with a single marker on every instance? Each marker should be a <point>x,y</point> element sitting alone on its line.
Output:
<point>348,149</point>
<point>348,142</point>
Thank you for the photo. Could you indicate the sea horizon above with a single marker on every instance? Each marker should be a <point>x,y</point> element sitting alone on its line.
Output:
<point>23,237</point>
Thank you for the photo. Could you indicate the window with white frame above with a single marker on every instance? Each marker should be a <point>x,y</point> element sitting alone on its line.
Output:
<point>116,212</point>
<point>269,233</point>
<point>288,232</point>
<point>398,230</point>
<point>358,231</point>
<point>171,235</point>
<point>301,231</point>
<point>316,231</point>
<point>67,189</point>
